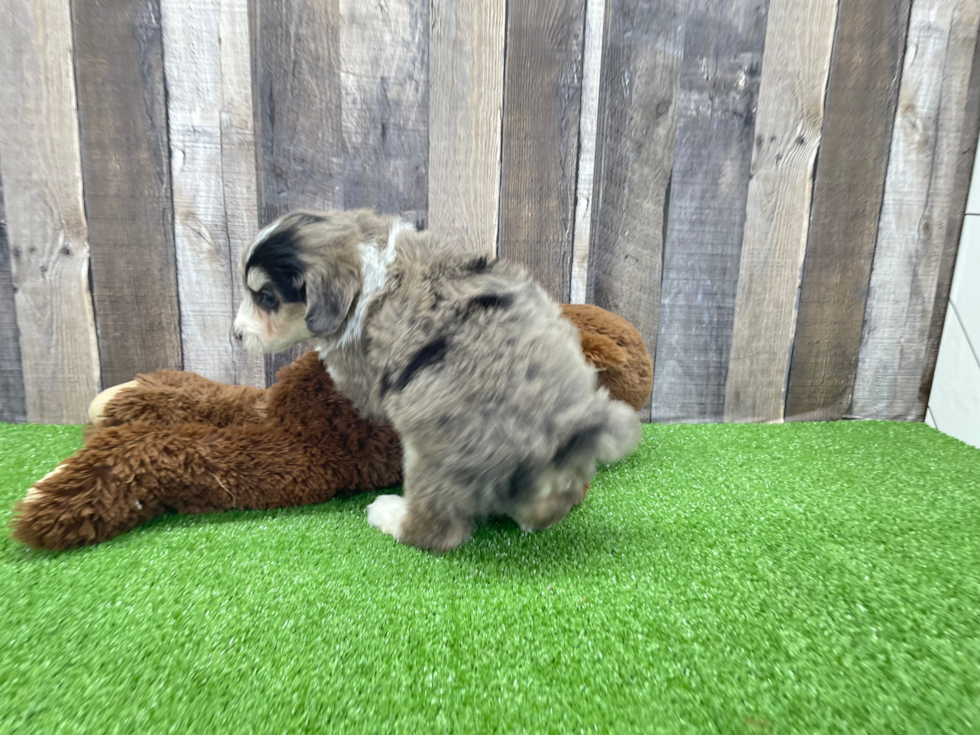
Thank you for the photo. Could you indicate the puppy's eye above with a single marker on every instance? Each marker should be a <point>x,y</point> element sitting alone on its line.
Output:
<point>267,299</point>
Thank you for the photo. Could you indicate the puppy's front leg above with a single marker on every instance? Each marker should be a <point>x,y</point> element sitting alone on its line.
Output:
<point>428,527</point>
<point>393,515</point>
<point>423,516</point>
<point>386,514</point>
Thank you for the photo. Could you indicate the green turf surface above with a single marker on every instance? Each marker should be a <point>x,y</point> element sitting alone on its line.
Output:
<point>798,578</point>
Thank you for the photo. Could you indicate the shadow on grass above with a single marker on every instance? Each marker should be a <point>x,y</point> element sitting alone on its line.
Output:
<point>498,550</point>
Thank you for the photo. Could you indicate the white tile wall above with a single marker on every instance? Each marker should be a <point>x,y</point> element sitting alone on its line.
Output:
<point>973,203</point>
<point>954,404</point>
<point>965,292</point>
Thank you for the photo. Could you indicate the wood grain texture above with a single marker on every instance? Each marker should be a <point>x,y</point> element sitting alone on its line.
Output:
<point>297,69</point>
<point>213,165</point>
<point>466,79</point>
<point>915,216</point>
<point>719,91</point>
<point>799,38</point>
<point>46,227</point>
<point>126,173</point>
<point>13,402</point>
<point>595,21</point>
<point>964,176</point>
<point>643,51</point>
<point>861,99</point>
<point>384,73</point>
<point>542,95</point>
<point>296,47</point>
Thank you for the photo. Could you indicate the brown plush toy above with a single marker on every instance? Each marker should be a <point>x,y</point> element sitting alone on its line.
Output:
<point>176,442</point>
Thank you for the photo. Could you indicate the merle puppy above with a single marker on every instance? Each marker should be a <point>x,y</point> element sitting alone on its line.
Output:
<point>467,358</point>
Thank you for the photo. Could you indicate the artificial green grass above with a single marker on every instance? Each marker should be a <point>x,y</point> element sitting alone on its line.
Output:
<point>797,578</point>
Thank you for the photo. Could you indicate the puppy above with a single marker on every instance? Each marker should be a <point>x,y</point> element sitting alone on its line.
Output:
<point>467,358</point>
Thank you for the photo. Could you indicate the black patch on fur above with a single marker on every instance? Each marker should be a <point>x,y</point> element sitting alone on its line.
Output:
<point>278,256</point>
<point>520,482</point>
<point>479,265</point>
<point>492,301</point>
<point>301,220</point>
<point>581,441</point>
<point>385,383</point>
<point>431,354</point>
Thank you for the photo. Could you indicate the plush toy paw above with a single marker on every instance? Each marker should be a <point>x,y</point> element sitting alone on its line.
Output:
<point>96,409</point>
<point>37,489</point>
<point>77,504</point>
<point>386,514</point>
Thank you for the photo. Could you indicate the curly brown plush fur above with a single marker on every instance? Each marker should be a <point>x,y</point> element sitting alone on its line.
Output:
<point>172,397</point>
<point>173,441</point>
<point>310,446</point>
<point>615,347</point>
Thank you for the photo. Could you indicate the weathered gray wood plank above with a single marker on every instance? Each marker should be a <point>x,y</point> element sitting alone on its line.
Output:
<point>799,38</point>
<point>542,95</point>
<point>925,154</point>
<point>466,79</point>
<point>861,100</point>
<point>296,57</point>
<point>595,21</point>
<point>719,92</point>
<point>384,74</point>
<point>634,157</point>
<point>297,68</point>
<point>126,173</point>
<point>213,168</point>
<point>46,227</point>
<point>13,402</point>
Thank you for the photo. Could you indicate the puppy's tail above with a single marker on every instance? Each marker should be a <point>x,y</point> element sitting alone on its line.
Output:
<point>620,433</point>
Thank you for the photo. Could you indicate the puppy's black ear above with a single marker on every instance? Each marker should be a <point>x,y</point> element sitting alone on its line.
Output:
<point>330,292</point>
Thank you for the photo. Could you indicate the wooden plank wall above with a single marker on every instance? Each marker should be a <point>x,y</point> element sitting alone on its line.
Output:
<point>643,47</point>
<point>47,231</point>
<point>126,176</point>
<point>719,95</point>
<point>788,131</point>
<point>860,111</point>
<point>542,100</point>
<point>13,402</point>
<point>213,167</point>
<point>770,190</point>
<point>925,150</point>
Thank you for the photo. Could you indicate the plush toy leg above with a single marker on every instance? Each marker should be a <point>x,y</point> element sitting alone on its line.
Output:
<point>170,397</point>
<point>96,409</point>
<point>129,474</point>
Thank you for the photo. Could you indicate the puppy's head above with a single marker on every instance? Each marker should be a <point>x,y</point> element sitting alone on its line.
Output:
<point>302,274</point>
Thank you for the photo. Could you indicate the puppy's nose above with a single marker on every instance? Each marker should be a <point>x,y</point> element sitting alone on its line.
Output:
<point>237,335</point>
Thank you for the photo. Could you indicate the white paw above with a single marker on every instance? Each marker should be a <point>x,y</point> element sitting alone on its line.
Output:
<point>386,514</point>
<point>34,493</point>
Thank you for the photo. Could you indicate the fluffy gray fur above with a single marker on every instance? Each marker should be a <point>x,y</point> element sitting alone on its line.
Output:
<point>472,363</point>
